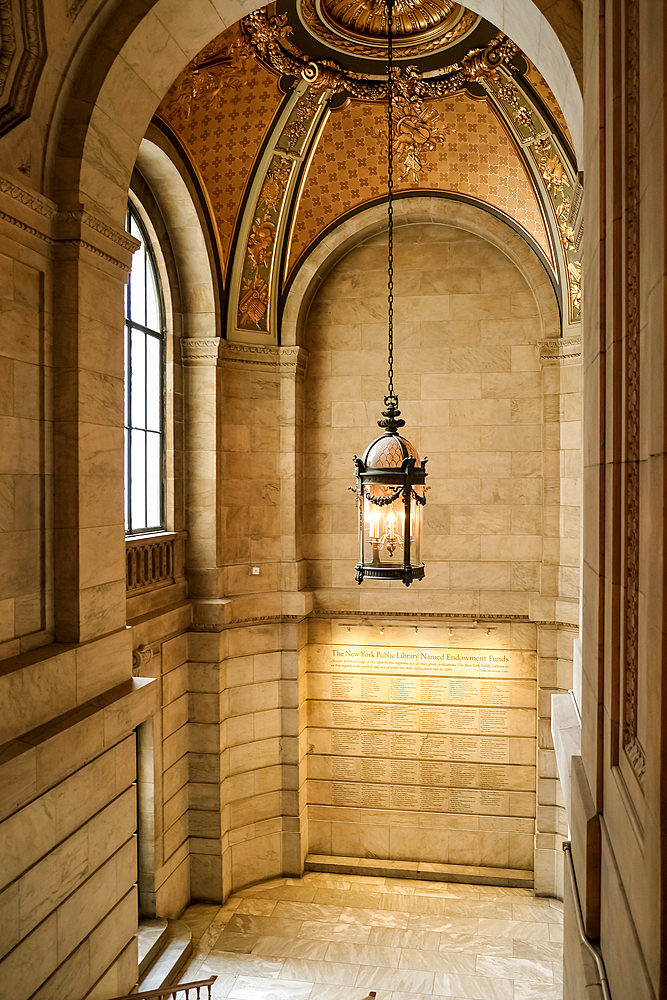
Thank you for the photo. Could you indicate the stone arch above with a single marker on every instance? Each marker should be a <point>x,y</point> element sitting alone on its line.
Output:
<point>185,230</point>
<point>123,76</point>
<point>197,329</point>
<point>407,211</point>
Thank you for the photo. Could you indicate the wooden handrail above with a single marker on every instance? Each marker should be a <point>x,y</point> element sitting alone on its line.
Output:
<point>172,991</point>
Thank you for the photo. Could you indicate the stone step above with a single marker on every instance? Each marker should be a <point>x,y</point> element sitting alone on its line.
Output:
<point>151,938</point>
<point>515,878</point>
<point>167,960</point>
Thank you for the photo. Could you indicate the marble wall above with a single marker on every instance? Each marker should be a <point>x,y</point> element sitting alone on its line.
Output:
<point>477,401</point>
<point>26,554</point>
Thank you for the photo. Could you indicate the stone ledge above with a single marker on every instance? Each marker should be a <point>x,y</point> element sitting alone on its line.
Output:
<point>509,877</point>
<point>42,758</point>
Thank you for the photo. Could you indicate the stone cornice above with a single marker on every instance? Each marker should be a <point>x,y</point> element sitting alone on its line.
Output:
<point>31,199</point>
<point>76,225</point>
<point>73,227</point>
<point>81,217</point>
<point>294,359</point>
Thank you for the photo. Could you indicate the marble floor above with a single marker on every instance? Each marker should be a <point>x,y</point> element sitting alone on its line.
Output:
<point>331,937</point>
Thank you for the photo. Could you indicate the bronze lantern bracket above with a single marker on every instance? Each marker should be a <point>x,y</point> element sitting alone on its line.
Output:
<point>405,478</point>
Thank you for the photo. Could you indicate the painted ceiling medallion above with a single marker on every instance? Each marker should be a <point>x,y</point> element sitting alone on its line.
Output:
<point>359,27</point>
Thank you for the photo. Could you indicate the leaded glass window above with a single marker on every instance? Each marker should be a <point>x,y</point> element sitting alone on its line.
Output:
<point>144,388</point>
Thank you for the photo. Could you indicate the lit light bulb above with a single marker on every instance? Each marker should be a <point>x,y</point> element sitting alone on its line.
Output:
<point>382,630</point>
<point>348,629</point>
<point>416,630</point>
<point>488,631</point>
<point>451,630</point>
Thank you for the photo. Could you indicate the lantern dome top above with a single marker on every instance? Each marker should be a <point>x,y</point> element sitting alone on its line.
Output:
<point>389,452</point>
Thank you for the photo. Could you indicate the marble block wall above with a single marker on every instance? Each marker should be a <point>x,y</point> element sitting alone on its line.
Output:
<point>26,553</point>
<point>68,819</point>
<point>244,755</point>
<point>478,401</point>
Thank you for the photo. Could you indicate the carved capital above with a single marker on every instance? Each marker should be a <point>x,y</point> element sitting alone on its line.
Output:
<point>200,350</point>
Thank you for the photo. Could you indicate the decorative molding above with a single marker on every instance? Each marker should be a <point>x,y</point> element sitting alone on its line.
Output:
<point>194,349</point>
<point>283,359</point>
<point>28,198</point>
<point>117,236</point>
<point>84,245</point>
<point>559,351</point>
<point>267,38</point>
<point>631,744</point>
<point>19,74</point>
<point>558,184</point>
<point>365,46</point>
<point>258,252</point>
<point>5,217</point>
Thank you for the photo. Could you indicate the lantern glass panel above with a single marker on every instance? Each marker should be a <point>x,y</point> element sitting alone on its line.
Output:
<point>384,527</point>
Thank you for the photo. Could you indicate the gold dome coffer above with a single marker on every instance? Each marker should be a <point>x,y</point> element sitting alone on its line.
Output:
<point>366,20</point>
<point>359,27</point>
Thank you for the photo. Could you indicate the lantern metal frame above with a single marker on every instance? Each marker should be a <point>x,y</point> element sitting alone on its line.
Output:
<point>396,482</point>
<point>399,482</point>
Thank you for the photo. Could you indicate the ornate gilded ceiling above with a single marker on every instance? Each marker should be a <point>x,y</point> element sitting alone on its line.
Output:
<point>359,28</point>
<point>283,117</point>
<point>472,154</point>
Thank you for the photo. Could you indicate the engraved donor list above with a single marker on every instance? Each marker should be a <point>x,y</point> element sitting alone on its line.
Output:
<point>422,730</point>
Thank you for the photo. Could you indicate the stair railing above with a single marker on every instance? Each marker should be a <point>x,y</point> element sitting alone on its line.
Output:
<point>181,991</point>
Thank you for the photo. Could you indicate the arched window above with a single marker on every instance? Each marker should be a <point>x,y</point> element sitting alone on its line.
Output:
<point>144,388</point>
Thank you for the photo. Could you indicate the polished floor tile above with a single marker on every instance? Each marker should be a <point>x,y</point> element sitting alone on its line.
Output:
<point>325,937</point>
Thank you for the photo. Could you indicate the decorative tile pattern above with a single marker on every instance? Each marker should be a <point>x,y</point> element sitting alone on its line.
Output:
<point>304,947</point>
<point>477,158</point>
<point>223,136</point>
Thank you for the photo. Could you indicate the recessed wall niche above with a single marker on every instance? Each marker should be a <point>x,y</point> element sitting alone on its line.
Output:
<point>422,745</point>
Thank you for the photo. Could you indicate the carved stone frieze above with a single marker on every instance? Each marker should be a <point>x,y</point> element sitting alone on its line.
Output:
<point>28,198</point>
<point>22,58</point>
<point>283,359</point>
<point>80,244</point>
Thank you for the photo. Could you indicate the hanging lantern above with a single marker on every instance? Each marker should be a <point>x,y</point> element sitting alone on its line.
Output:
<point>390,496</point>
<point>390,479</point>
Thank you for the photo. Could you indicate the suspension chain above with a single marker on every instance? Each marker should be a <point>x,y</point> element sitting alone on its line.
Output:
<point>390,196</point>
